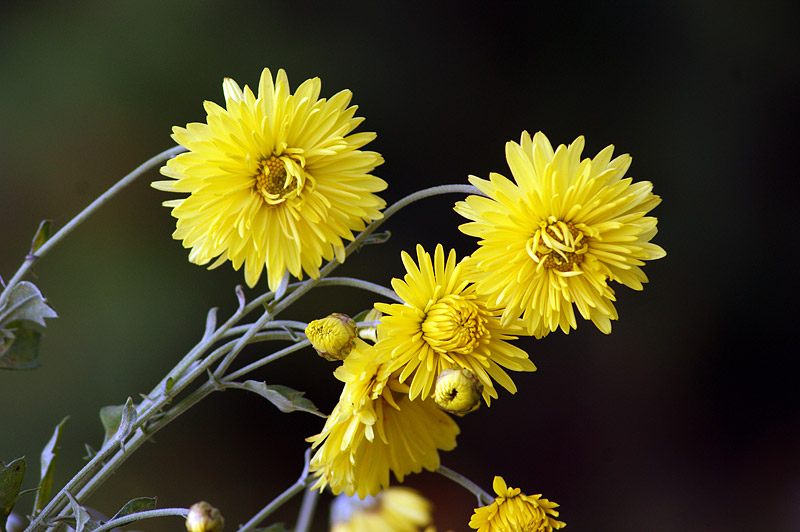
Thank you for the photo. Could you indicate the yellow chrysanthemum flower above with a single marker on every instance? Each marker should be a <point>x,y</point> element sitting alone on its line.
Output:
<point>446,324</point>
<point>515,511</point>
<point>559,234</point>
<point>275,180</point>
<point>393,510</point>
<point>375,428</point>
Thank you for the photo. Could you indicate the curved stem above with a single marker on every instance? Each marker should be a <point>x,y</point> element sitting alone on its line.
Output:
<point>307,507</point>
<point>483,497</point>
<point>138,516</point>
<point>363,285</point>
<point>267,359</point>
<point>88,211</point>
<point>279,501</point>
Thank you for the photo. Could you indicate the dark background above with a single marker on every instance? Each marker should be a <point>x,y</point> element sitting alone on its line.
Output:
<point>687,417</point>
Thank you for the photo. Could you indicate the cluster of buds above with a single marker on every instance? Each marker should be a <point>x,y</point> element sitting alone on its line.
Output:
<point>458,391</point>
<point>333,336</point>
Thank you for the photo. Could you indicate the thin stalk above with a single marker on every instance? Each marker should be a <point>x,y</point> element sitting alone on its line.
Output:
<point>483,497</point>
<point>363,285</point>
<point>138,516</point>
<point>279,501</point>
<point>88,211</point>
<point>307,507</point>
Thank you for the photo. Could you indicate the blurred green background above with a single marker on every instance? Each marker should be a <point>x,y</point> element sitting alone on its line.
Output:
<point>687,417</point>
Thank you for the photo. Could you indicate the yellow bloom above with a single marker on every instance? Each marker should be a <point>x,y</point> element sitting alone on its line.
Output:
<point>515,511</point>
<point>446,324</point>
<point>375,428</point>
<point>392,510</point>
<point>559,234</point>
<point>275,180</point>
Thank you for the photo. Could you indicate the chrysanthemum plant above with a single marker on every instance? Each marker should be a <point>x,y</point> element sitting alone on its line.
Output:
<point>279,183</point>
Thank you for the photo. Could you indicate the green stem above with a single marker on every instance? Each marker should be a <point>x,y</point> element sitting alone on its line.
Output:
<point>483,497</point>
<point>88,211</point>
<point>138,516</point>
<point>307,507</point>
<point>363,285</point>
<point>279,501</point>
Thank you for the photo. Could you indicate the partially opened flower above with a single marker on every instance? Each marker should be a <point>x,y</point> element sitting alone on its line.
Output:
<point>557,236</point>
<point>375,428</point>
<point>274,179</point>
<point>515,511</point>
<point>392,510</point>
<point>446,324</point>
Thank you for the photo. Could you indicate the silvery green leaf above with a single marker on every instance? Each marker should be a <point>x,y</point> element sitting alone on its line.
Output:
<point>140,504</point>
<point>48,462</point>
<point>283,397</point>
<point>25,303</point>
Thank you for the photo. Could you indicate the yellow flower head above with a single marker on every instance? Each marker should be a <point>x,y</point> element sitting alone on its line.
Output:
<point>392,510</point>
<point>274,179</point>
<point>559,234</point>
<point>446,324</point>
<point>375,428</point>
<point>515,511</point>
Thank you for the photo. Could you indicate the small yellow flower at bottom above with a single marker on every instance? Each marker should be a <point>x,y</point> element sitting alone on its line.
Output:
<point>513,511</point>
<point>392,510</point>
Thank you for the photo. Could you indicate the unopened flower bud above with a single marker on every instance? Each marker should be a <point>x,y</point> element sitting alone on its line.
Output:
<point>204,518</point>
<point>458,391</point>
<point>334,336</point>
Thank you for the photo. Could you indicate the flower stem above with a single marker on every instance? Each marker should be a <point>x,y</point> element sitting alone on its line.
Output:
<point>138,516</point>
<point>88,211</point>
<point>281,499</point>
<point>363,285</point>
<point>483,497</point>
<point>307,507</point>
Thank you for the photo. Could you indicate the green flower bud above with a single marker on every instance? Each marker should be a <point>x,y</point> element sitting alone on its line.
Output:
<point>458,391</point>
<point>204,518</point>
<point>333,337</point>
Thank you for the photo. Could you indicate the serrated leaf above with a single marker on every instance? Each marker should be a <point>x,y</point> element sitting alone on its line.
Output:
<point>140,504</point>
<point>11,476</point>
<point>48,463</point>
<point>25,303</point>
<point>21,350</point>
<point>117,420</point>
<point>283,397</point>
<point>42,235</point>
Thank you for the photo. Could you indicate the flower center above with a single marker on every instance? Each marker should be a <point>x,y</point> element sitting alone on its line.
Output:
<point>455,324</point>
<point>272,181</point>
<point>558,245</point>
